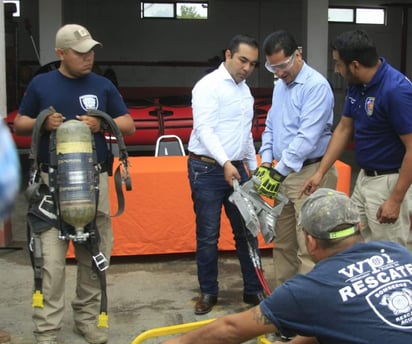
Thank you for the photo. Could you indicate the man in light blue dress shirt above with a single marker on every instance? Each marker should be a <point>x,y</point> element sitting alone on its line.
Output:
<point>221,149</point>
<point>297,133</point>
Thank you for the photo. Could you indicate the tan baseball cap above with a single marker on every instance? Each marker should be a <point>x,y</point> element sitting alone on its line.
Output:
<point>75,37</point>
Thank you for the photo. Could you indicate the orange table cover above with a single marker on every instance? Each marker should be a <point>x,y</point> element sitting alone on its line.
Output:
<point>159,217</point>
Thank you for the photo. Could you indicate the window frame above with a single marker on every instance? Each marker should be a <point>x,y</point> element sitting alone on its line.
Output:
<point>17,2</point>
<point>175,4</point>
<point>370,8</point>
<point>355,14</point>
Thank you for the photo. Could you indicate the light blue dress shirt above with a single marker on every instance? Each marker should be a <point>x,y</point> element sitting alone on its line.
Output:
<point>222,119</point>
<point>298,125</point>
<point>9,172</point>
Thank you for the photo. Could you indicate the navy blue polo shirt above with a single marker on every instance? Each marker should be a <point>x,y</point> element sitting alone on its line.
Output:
<point>381,112</point>
<point>72,97</point>
<point>362,295</point>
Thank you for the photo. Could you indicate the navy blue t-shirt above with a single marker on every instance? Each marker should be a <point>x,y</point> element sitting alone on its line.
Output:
<point>381,111</point>
<point>72,97</point>
<point>361,295</point>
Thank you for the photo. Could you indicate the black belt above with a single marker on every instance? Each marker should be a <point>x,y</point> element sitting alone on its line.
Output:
<point>209,160</point>
<point>312,161</point>
<point>45,167</point>
<point>374,173</point>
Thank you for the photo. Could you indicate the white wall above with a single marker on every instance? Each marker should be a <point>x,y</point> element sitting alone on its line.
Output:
<point>50,15</point>
<point>316,35</point>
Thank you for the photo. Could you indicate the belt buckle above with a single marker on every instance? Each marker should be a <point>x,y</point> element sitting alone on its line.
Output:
<point>208,160</point>
<point>371,173</point>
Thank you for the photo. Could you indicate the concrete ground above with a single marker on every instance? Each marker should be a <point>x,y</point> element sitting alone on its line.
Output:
<point>144,292</point>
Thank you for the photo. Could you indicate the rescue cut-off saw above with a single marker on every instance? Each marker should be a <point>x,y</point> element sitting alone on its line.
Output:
<point>256,212</point>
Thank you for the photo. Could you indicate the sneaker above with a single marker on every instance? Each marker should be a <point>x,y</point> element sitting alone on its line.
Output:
<point>92,333</point>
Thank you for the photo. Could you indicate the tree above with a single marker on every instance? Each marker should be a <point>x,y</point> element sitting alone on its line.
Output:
<point>188,12</point>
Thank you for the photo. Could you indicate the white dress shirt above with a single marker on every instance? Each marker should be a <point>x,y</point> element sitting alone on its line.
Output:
<point>222,119</point>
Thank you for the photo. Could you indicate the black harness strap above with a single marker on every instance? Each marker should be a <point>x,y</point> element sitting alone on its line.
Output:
<point>35,139</point>
<point>36,258</point>
<point>34,241</point>
<point>121,174</point>
<point>101,264</point>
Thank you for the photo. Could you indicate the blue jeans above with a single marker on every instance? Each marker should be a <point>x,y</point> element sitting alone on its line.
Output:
<point>209,192</point>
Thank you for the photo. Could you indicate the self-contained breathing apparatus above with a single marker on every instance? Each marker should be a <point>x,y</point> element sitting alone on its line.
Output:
<point>69,201</point>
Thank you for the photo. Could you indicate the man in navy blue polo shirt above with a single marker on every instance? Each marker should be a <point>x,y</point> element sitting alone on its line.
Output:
<point>377,115</point>
<point>357,292</point>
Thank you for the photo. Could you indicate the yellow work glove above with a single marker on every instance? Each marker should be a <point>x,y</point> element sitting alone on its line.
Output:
<point>270,181</point>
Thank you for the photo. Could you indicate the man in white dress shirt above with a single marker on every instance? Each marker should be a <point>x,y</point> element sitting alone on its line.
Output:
<point>221,150</point>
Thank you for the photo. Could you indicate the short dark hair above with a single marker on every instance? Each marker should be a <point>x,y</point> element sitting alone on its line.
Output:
<point>278,41</point>
<point>241,38</point>
<point>356,45</point>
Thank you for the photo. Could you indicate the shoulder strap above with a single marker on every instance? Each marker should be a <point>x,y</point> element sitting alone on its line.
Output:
<point>36,133</point>
<point>122,173</point>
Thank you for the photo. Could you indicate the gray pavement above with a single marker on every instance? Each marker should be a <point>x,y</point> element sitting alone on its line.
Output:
<point>144,292</point>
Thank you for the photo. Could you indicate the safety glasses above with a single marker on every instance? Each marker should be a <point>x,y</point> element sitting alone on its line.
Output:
<point>281,66</point>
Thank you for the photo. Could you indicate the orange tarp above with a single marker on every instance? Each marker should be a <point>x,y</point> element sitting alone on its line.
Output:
<point>159,217</point>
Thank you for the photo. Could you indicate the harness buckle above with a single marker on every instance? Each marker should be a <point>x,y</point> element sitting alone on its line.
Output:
<point>101,261</point>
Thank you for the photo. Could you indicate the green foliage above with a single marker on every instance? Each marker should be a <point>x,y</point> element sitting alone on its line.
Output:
<point>189,12</point>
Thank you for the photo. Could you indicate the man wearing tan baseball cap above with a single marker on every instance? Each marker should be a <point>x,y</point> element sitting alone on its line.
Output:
<point>70,93</point>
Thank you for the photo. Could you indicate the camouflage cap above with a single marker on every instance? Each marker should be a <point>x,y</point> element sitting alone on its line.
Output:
<point>326,209</point>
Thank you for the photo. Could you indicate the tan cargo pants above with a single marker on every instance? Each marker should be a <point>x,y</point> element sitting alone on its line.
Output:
<point>86,303</point>
<point>289,254</point>
<point>368,195</point>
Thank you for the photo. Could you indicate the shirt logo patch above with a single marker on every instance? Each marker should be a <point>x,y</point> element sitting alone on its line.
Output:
<point>369,104</point>
<point>89,102</point>
<point>392,303</point>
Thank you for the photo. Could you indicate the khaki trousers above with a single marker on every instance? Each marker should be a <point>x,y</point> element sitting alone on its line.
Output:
<point>86,303</point>
<point>289,254</point>
<point>368,195</point>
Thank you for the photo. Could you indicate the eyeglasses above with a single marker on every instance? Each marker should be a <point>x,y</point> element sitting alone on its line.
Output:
<point>280,66</point>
